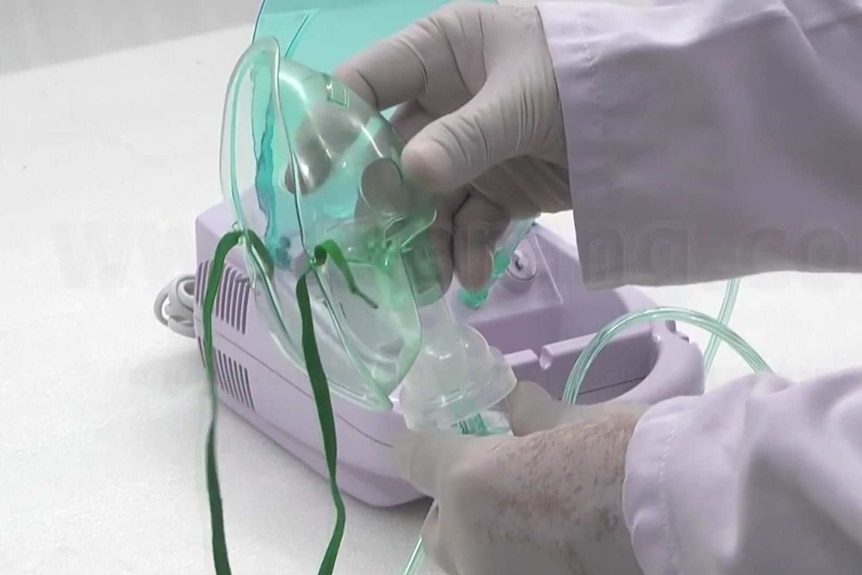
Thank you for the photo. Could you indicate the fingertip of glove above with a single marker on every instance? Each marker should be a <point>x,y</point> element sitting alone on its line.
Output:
<point>527,393</point>
<point>530,408</point>
<point>404,447</point>
<point>349,75</point>
<point>473,266</point>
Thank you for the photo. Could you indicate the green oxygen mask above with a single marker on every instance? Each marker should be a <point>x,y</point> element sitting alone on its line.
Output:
<point>312,169</point>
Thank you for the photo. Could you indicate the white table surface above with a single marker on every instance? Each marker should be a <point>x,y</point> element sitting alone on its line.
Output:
<point>104,164</point>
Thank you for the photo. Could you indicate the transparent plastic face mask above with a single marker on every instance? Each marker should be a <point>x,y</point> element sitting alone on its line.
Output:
<point>312,173</point>
<point>309,163</point>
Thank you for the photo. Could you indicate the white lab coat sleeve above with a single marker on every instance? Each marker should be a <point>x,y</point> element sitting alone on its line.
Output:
<point>761,477</point>
<point>711,139</point>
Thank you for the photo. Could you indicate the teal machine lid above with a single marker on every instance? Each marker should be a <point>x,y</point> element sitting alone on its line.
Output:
<point>323,34</point>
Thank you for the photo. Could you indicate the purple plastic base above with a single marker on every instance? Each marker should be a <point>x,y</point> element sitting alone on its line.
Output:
<point>541,325</point>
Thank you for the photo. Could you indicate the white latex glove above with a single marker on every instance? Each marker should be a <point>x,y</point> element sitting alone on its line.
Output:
<point>548,500</point>
<point>482,118</point>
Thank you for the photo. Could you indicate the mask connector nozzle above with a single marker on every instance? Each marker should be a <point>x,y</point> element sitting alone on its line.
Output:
<point>456,375</point>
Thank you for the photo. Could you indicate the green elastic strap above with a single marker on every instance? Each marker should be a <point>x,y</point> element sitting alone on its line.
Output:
<point>219,547</point>
<point>316,374</point>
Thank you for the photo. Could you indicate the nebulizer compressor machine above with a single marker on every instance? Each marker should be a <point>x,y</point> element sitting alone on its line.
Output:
<point>318,306</point>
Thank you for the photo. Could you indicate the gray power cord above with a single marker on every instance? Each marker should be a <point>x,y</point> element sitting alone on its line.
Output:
<point>175,306</point>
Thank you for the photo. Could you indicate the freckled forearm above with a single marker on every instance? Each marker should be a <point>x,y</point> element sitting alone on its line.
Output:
<point>568,491</point>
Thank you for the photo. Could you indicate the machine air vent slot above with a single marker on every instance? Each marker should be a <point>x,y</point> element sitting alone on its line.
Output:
<point>232,377</point>
<point>231,305</point>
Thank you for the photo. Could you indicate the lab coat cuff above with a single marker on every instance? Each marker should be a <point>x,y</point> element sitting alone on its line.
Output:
<point>572,32</point>
<point>646,496</point>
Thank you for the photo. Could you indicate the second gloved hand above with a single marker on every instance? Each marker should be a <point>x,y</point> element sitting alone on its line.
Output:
<point>479,108</point>
<point>548,500</point>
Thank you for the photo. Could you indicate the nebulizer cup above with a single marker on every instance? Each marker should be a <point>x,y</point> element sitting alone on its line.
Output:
<point>456,375</point>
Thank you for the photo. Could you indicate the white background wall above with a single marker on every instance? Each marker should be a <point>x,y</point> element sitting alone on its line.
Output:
<point>35,33</point>
<point>39,32</point>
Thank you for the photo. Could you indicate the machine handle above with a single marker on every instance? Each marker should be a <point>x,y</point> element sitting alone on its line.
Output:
<point>678,370</point>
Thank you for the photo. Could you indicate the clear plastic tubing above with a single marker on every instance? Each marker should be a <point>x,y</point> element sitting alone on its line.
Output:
<point>717,327</point>
<point>503,257</point>
<point>694,318</point>
<point>724,314</point>
<point>416,558</point>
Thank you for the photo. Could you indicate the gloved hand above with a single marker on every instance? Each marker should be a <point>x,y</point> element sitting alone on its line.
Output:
<point>482,118</point>
<point>548,500</point>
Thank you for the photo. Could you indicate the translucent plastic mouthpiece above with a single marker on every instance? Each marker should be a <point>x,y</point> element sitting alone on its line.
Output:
<point>456,375</point>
